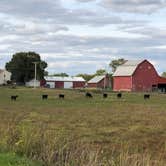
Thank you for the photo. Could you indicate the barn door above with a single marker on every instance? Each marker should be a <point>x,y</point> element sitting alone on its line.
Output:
<point>68,85</point>
<point>51,84</point>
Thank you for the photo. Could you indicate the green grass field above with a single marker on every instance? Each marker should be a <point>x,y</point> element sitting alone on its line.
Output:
<point>9,159</point>
<point>121,132</point>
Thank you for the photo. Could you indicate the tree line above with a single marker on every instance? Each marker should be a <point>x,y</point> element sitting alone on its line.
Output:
<point>22,67</point>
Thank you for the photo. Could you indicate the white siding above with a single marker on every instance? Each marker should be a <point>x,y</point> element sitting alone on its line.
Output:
<point>4,77</point>
<point>32,83</point>
<point>64,79</point>
<point>51,84</point>
<point>68,85</point>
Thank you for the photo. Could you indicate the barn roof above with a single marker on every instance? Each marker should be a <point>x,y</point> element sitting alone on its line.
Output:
<point>96,79</point>
<point>70,79</point>
<point>128,68</point>
<point>132,62</point>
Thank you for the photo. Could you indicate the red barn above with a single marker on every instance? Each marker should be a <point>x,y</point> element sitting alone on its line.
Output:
<point>137,76</point>
<point>64,82</point>
<point>99,82</point>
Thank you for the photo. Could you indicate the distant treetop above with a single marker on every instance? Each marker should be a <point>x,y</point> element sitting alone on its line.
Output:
<point>22,66</point>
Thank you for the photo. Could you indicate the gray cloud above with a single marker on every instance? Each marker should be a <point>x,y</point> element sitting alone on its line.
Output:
<point>32,8</point>
<point>53,12</point>
<point>61,51</point>
<point>45,26</point>
<point>29,28</point>
<point>135,6</point>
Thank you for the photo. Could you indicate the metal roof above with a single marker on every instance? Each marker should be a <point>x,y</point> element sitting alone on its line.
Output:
<point>132,63</point>
<point>67,79</point>
<point>128,68</point>
<point>96,79</point>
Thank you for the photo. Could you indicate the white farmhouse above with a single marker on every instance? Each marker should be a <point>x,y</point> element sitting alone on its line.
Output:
<point>4,76</point>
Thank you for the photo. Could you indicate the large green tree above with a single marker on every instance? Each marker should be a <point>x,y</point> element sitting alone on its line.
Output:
<point>22,66</point>
<point>164,74</point>
<point>117,62</point>
<point>87,77</point>
<point>101,72</point>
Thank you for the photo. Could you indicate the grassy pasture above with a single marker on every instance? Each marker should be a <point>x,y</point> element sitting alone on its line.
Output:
<point>76,130</point>
<point>9,159</point>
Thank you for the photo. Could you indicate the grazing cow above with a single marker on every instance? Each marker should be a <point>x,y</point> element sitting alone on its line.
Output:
<point>61,96</point>
<point>119,95</point>
<point>89,95</point>
<point>14,98</point>
<point>147,96</point>
<point>105,95</point>
<point>44,97</point>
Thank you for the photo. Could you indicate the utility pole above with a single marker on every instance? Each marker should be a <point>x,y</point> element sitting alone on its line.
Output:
<point>105,80</point>
<point>35,79</point>
<point>106,77</point>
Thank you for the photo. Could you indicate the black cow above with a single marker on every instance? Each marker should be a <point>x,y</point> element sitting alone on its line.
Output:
<point>44,97</point>
<point>89,95</point>
<point>105,95</point>
<point>147,96</point>
<point>61,96</point>
<point>14,98</point>
<point>119,95</point>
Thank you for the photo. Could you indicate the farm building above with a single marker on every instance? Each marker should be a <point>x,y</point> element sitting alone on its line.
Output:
<point>99,82</point>
<point>32,83</point>
<point>64,82</point>
<point>5,76</point>
<point>138,76</point>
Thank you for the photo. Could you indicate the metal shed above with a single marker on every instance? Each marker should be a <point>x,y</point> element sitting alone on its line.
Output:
<point>102,81</point>
<point>64,82</point>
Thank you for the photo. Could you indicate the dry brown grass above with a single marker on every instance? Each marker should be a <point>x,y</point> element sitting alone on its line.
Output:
<point>79,131</point>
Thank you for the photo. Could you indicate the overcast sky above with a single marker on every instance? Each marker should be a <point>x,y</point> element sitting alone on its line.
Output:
<point>81,36</point>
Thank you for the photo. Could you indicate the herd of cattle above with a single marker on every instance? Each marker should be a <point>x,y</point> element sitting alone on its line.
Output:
<point>87,95</point>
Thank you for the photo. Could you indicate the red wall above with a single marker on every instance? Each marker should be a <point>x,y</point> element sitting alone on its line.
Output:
<point>92,85</point>
<point>42,83</point>
<point>142,80</point>
<point>100,84</point>
<point>122,83</point>
<point>144,77</point>
<point>78,84</point>
<point>59,84</point>
<point>161,80</point>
